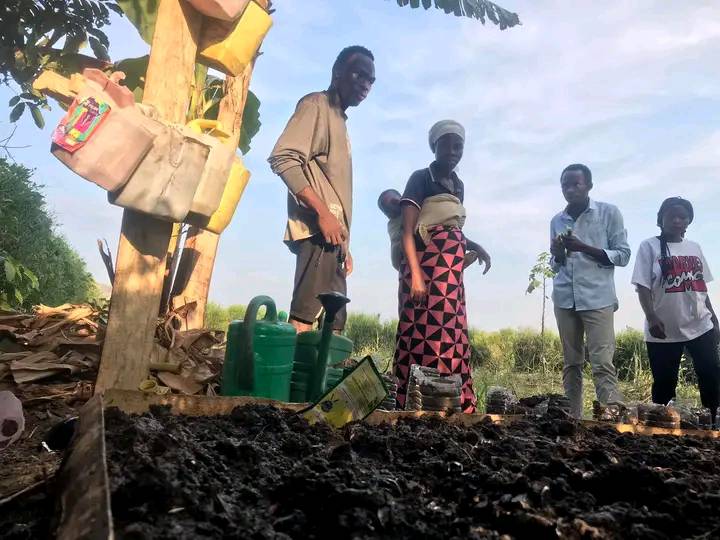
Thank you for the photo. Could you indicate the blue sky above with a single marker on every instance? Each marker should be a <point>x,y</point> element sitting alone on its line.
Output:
<point>629,88</point>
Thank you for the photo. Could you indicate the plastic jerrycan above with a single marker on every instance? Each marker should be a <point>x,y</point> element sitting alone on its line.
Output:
<point>230,46</point>
<point>225,10</point>
<point>259,354</point>
<point>217,169</point>
<point>239,178</point>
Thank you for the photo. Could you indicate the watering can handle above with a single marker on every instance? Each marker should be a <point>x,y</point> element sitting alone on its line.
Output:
<point>247,363</point>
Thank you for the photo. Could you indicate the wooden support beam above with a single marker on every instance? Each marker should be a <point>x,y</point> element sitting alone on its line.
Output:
<point>144,240</point>
<point>198,256</point>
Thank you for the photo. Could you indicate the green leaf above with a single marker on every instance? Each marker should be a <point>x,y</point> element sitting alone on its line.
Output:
<point>18,296</point>
<point>473,9</point>
<point>37,116</point>
<point>134,69</point>
<point>143,15</point>
<point>99,49</point>
<point>34,283</point>
<point>17,111</point>
<point>14,101</point>
<point>10,271</point>
<point>117,9</point>
<point>101,37</point>
<point>250,122</point>
<point>212,94</point>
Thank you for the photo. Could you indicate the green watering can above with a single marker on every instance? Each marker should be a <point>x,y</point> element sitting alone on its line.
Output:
<point>259,354</point>
<point>318,350</point>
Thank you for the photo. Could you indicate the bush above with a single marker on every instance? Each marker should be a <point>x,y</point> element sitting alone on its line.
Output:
<point>631,359</point>
<point>218,317</point>
<point>533,352</point>
<point>480,352</point>
<point>370,335</point>
<point>27,235</point>
<point>498,354</point>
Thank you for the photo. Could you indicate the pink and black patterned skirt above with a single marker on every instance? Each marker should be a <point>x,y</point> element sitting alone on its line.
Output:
<point>435,334</point>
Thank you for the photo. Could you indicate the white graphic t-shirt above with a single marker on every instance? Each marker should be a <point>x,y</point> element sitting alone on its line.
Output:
<point>679,297</point>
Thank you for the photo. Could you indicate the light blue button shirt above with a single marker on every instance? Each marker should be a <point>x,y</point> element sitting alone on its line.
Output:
<point>582,282</point>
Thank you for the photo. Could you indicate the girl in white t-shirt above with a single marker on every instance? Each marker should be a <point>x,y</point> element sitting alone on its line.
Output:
<point>671,276</point>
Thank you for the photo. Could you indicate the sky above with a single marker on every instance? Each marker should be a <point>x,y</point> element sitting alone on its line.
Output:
<point>630,88</point>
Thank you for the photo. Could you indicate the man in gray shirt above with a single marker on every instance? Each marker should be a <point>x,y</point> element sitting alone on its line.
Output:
<point>588,240</point>
<point>313,158</point>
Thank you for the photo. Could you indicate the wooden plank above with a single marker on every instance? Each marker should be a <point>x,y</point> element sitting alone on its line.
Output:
<point>195,274</point>
<point>85,494</point>
<point>134,402</point>
<point>638,429</point>
<point>198,257</point>
<point>144,240</point>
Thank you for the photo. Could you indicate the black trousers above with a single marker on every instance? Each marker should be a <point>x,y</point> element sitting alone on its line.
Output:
<point>665,364</point>
<point>319,269</point>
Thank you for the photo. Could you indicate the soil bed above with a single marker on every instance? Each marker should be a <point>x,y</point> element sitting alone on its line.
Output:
<point>264,473</point>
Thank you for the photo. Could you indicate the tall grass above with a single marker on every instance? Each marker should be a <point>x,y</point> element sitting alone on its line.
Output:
<point>519,359</point>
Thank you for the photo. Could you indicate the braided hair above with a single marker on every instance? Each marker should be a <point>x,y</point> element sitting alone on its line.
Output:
<point>664,250</point>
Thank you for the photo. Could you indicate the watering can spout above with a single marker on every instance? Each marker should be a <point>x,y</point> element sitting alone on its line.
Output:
<point>332,302</point>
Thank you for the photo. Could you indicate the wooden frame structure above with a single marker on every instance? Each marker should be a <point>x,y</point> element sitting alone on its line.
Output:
<point>145,242</point>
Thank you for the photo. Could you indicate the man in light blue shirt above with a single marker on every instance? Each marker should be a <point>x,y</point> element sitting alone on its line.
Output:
<point>588,240</point>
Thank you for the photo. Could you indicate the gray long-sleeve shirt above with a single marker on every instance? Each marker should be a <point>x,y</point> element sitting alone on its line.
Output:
<point>314,150</point>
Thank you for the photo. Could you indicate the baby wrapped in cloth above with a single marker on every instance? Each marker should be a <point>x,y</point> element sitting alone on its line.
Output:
<point>443,209</point>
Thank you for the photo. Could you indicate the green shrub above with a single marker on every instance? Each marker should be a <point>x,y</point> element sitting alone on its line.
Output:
<point>520,359</point>
<point>533,352</point>
<point>218,317</point>
<point>370,335</point>
<point>631,359</point>
<point>28,236</point>
<point>480,352</point>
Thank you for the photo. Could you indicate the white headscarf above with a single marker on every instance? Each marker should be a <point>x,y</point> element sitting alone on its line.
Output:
<point>444,127</point>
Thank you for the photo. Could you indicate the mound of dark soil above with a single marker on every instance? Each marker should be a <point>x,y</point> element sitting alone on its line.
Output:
<point>263,473</point>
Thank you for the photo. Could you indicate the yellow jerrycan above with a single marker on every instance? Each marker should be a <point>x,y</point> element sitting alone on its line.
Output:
<point>226,10</point>
<point>230,46</point>
<point>239,178</point>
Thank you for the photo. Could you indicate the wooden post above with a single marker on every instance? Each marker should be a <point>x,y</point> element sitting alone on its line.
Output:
<point>198,257</point>
<point>144,240</point>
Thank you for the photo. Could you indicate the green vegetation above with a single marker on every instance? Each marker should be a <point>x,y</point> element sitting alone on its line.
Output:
<point>39,266</point>
<point>520,359</point>
<point>48,35</point>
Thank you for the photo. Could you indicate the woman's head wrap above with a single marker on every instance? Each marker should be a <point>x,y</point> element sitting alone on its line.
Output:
<point>444,127</point>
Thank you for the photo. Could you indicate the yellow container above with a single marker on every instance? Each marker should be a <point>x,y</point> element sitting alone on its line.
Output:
<point>239,178</point>
<point>215,175</point>
<point>231,46</point>
<point>61,89</point>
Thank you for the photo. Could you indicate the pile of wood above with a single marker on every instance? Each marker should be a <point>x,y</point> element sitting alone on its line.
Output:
<point>65,341</point>
<point>59,349</point>
<point>187,361</point>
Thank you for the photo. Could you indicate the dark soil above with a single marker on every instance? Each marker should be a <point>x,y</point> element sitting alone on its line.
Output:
<point>265,474</point>
<point>26,463</point>
<point>29,517</point>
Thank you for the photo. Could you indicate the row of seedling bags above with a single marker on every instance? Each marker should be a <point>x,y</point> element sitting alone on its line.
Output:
<point>675,415</point>
<point>183,174</point>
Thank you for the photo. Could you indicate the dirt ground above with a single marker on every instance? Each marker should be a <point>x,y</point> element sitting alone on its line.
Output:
<point>262,473</point>
<point>26,465</point>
